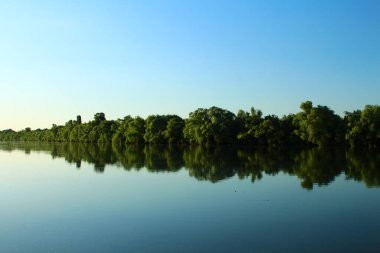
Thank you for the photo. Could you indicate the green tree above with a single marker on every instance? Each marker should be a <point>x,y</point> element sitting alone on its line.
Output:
<point>135,130</point>
<point>99,117</point>
<point>319,125</point>
<point>270,132</point>
<point>174,130</point>
<point>248,122</point>
<point>211,126</point>
<point>363,127</point>
<point>118,138</point>
<point>155,128</point>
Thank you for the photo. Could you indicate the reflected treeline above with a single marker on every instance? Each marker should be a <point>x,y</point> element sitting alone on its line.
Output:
<point>318,166</point>
<point>364,166</point>
<point>212,164</point>
<point>313,166</point>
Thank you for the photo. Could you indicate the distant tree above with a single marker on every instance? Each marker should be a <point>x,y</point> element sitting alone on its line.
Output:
<point>248,124</point>
<point>75,134</point>
<point>270,132</point>
<point>156,128</point>
<point>211,126</point>
<point>319,125</point>
<point>363,127</point>
<point>105,131</point>
<point>290,129</point>
<point>99,117</point>
<point>94,135</point>
<point>306,107</point>
<point>174,130</point>
<point>370,119</point>
<point>314,125</point>
<point>118,138</point>
<point>135,130</point>
<point>79,119</point>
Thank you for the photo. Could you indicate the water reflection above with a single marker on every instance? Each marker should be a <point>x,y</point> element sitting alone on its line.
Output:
<point>315,166</point>
<point>364,166</point>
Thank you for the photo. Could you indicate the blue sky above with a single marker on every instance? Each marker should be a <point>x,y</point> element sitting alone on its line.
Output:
<point>59,59</point>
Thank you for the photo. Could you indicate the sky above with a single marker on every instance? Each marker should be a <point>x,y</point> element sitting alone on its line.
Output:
<point>59,59</point>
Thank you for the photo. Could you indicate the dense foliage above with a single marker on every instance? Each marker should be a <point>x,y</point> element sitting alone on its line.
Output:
<point>313,125</point>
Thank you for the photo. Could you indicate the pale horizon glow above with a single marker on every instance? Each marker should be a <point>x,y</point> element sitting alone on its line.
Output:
<point>59,59</point>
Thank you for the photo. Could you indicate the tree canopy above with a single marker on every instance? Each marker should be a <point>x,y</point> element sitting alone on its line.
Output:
<point>312,126</point>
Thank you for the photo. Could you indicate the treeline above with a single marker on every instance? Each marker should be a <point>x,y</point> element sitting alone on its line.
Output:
<point>313,125</point>
<point>313,166</point>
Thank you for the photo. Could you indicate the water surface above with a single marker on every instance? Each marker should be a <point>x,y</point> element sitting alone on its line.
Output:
<point>99,198</point>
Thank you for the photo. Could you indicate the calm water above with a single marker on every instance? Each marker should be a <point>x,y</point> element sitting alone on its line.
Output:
<point>89,198</point>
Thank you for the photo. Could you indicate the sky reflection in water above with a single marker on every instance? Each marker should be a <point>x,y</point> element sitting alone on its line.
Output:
<point>156,199</point>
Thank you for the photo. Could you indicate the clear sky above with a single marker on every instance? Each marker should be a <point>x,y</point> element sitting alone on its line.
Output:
<point>59,59</point>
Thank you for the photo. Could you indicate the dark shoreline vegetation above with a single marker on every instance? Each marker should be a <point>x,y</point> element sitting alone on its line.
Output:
<point>313,166</point>
<point>312,126</point>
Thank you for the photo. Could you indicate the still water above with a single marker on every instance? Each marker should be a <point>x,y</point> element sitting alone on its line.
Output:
<point>91,198</point>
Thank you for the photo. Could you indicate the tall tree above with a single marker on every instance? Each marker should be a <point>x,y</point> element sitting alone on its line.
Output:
<point>363,127</point>
<point>211,126</point>
<point>319,125</point>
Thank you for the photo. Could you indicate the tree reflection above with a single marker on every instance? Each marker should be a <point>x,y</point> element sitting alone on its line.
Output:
<point>211,163</point>
<point>313,166</point>
<point>256,162</point>
<point>163,158</point>
<point>318,166</point>
<point>363,166</point>
<point>130,157</point>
